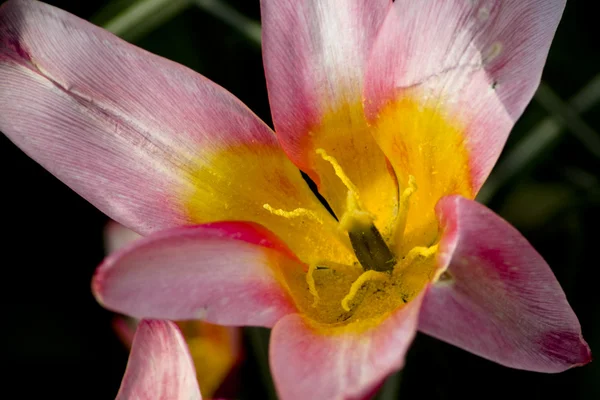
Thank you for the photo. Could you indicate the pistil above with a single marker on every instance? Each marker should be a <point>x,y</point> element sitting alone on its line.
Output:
<point>371,250</point>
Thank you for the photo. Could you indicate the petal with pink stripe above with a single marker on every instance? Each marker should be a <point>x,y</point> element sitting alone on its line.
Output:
<point>227,273</point>
<point>498,298</point>
<point>478,63</point>
<point>339,364</point>
<point>149,142</point>
<point>315,54</point>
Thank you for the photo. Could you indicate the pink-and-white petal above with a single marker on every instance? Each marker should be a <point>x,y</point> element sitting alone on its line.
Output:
<point>149,142</point>
<point>479,61</point>
<point>498,298</point>
<point>309,364</point>
<point>226,273</point>
<point>160,366</point>
<point>315,54</point>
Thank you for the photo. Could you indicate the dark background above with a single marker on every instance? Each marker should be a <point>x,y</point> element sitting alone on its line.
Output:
<point>57,342</point>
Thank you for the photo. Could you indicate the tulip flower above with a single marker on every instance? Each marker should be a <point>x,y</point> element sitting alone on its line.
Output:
<point>216,350</point>
<point>397,111</point>
<point>159,366</point>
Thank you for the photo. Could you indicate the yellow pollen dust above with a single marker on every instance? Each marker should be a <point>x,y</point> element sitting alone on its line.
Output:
<point>355,212</point>
<point>403,206</point>
<point>356,216</point>
<point>340,173</point>
<point>363,291</point>
<point>420,251</point>
<point>310,281</point>
<point>298,212</point>
<point>366,276</point>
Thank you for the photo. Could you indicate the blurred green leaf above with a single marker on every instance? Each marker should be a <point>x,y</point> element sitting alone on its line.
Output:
<point>544,136</point>
<point>531,204</point>
<point>133,20</point>
<point>249,28</point>
<point>570,117</point>
<point>259,341</point>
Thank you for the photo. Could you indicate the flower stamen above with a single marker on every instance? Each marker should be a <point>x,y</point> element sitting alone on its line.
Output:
<point>419,251</point>
<point>366,276</point>
<point>296,213</point>
<point>342,175</point>
<point>403,206</point>
<point>310,281</point>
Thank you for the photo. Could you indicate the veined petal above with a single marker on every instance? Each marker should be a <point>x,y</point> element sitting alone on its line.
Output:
<point>315,54</point>
<point>160,366</point>
<point>498,298</point>
<point>476,62</point>
<point>310,364</point>
<point>149,142</point>
<point>215,350</point>
<point>228,273</point>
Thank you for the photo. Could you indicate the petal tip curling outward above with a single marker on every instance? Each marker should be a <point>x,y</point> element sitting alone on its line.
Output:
<point>310,364</point>
<point>226,273</point>
<point>160,365</point>
<point>480,61</point>
<point>497,296</point>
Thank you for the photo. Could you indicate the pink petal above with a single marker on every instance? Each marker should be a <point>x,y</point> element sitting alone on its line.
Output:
<point>481,61</point>
<point>160,366</point>
<point>500,299</point>
<point>307,364</point>
<point>226,273</point>
<point>314,54</point>
<point>149,142</point>
<point>117,236</point>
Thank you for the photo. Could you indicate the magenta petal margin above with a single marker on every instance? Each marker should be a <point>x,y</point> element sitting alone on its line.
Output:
<point>498,298</point>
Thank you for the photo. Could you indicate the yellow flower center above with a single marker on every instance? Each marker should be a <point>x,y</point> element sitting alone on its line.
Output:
<point>392,266</point>
<point>381,251</point>
<point>378,277</point>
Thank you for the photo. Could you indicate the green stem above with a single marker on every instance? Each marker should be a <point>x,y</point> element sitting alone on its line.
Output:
<point>134,20</point>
